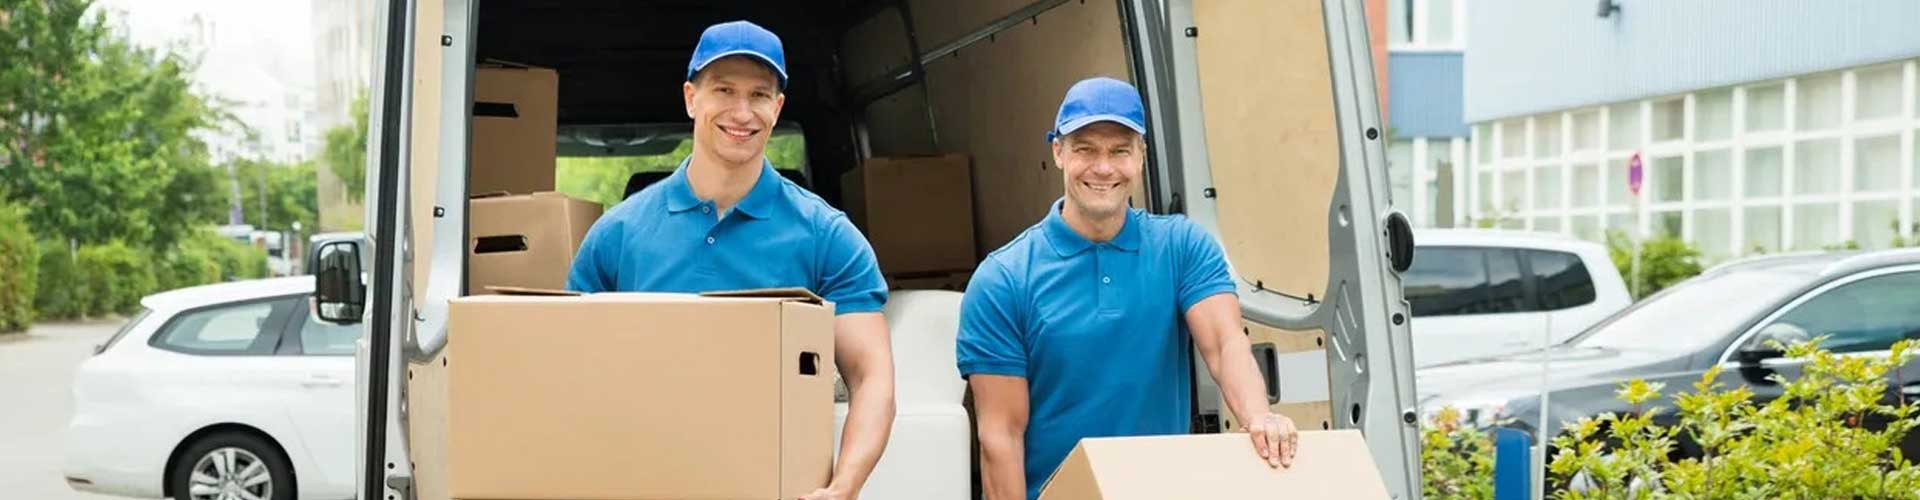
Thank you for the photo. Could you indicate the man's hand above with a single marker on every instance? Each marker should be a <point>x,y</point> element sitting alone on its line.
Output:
<point>1275,437</point>
<point>827,494</point>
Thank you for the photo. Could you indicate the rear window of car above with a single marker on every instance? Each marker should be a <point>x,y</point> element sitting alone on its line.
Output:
<point>1449,281</point>
<point>1563,280</point>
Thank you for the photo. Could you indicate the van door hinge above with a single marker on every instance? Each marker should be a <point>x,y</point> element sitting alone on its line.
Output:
<point>401,483</point>
<point>1193,32</point>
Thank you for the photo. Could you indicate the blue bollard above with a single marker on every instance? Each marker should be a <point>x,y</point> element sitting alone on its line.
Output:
<point>1512,465</point>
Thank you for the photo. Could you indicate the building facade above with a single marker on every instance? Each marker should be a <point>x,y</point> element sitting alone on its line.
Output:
<point>1427,150</point>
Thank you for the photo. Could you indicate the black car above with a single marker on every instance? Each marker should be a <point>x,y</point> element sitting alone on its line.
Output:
<point>1864,302</point>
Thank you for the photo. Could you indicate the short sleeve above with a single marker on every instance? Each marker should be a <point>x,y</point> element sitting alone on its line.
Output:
<point>991,338</point>
<point>850,275</point>
<point>595,267</point>
<point>1203,265</point>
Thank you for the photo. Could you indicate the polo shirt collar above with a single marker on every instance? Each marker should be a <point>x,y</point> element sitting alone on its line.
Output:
<point>1067,243</point>
<point>758,203</point>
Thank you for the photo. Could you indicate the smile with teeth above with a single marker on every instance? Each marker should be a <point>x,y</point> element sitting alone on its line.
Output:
<point>738,132</point>
<point>1100,188</point>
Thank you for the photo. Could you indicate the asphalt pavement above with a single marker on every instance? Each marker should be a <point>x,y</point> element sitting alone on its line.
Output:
<point>36,377</point>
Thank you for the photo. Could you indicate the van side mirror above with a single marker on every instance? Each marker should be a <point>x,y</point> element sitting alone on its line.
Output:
<point>339,295</point>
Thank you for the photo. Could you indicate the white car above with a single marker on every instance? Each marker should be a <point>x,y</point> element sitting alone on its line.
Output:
<point>1479,293</point>
<point>219,392</point>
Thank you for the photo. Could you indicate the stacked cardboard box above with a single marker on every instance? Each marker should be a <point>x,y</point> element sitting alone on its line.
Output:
<point>628,396</point>
<point>515,129</point>
<point>917,211</point>
<point>520,233</point>
<point>526,240</point>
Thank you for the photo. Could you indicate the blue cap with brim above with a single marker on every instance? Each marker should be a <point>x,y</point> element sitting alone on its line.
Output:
<point>1095,100</point>
<point>739,38</point>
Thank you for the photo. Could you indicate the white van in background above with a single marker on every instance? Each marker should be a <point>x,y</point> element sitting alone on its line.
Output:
<point>1478,293</point>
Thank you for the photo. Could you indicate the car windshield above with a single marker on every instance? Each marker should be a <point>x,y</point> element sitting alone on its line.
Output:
<point>1695,313</point>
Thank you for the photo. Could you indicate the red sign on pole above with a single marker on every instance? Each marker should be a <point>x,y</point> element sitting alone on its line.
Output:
<point>1635,174</point>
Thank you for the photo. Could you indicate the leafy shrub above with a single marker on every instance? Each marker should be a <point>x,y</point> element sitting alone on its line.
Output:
<point>206,257</point>
<point>61,293</point>
<point>19,258</point>
<point>1664,261</point>
<point>1455,461</point>
<point>116,276</point>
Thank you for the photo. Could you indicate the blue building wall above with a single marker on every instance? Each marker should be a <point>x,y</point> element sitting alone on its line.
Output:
<point>1423,94</point>
<point>1528,56</point>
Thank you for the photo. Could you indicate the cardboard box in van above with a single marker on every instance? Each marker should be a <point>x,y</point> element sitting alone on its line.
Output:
<point>525,240</point>
<point>515,129</point>
<point>629,396</point>
<point>1330,465</point>
<point>916,210</point>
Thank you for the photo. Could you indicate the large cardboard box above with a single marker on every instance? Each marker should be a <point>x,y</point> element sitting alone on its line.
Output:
<point>525,240</point>
<point>1330,465</point>
<point>626,396</point>
<point>515,129</point>
<point>916,210</point>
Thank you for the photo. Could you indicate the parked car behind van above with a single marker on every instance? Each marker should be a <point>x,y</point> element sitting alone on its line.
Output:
<point>1479,293</point>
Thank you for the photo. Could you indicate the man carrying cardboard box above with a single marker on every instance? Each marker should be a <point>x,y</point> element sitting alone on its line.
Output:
<point>1077,327</point>
<point>726,220</point>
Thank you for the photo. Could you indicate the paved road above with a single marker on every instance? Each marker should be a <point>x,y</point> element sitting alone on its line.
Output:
<point>36,372</point>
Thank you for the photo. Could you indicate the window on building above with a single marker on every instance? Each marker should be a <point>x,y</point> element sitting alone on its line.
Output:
<point>1875,223</point>
<point>1713,115</point>
<point>1762,228</point>
<point>1513,192</point>
<point>1483,144</point>
<point>1546,190</point>
<point>1767,108</point>
<point>1400,21</point>
<point>1819,102</point>
<point>1815,226</point>
<point>1669,179</point>
<point>1547,224</point>
<point>1546,136</point>
<point>1624,222</point>
<point>1440,23</point>
<point>1586,186</point>
<point>1623,126</point>
<point>1400,171</point>
<point>1712,175</point>
<point>1764,174</point>
<point>1586,131</point>
<point>1483,191</point>
<point>1587,227</point>
<point>1513,139</point>
<point>1877,92</point>
<point>1713,232</point>
<point>1816,168</point>
<point>1876,164</point>
<point>1670,120</point>
<point>1618,193</point>
<point>1670,224</point>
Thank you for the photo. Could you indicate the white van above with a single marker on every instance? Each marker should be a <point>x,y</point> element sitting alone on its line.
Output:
<point>1478,293</point>
<point>1264,128</point>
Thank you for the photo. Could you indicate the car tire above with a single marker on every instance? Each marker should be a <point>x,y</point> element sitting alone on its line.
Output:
<point>225,462</point>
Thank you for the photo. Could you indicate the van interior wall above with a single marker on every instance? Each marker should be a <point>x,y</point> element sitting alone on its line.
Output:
<point>994,100</point>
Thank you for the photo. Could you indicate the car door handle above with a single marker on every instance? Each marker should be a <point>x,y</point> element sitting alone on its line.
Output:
<point>317,381</point>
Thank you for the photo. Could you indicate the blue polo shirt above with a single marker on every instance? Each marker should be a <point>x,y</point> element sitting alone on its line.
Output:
<point>1097,329</point>
<point>665,239</point>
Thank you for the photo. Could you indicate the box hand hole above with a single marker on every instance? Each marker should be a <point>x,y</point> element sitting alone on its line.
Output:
<point>499,244</point>
<point>809,363</point>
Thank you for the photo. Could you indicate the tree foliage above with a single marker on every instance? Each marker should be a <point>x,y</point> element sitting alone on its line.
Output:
<point>345,153</point>
<point>19,258</point>
<point>1664,261</point>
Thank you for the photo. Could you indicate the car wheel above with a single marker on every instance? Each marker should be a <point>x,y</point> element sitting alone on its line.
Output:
<point>231,466</point>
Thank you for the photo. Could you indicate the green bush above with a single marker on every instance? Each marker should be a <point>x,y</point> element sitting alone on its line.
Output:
<point>19,256</point>
<point>1664,261</point>
<point>1456,461</point>
<point>61,294</point>
<point>187,266</point>
<point>206,257</point>
<point>117,277</point>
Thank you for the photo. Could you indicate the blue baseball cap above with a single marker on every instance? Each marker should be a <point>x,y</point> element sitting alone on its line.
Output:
<point>739,38</point>
<point>1096,100</point>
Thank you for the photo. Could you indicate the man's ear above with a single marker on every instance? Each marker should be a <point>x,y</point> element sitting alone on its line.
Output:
<point>686,92</point>
<point>779,103</point>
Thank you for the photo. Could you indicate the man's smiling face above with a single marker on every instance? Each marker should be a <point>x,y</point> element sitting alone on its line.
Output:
<point>734,103</point>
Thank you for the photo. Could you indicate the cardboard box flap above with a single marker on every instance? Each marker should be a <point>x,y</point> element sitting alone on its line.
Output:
<point>1330,465</point>
<point>537,292</point>
<point>792,294</point>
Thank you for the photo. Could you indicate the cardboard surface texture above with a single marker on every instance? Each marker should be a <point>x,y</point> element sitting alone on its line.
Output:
<point>628,396</point>
<point>1331,465</point>
<point>916,210</point>
<point>515,129</point>
<point>525,241</point>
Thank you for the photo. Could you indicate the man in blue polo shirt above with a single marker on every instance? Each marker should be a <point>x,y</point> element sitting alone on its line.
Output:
<point>725,220</point>
<point>1077,328</point>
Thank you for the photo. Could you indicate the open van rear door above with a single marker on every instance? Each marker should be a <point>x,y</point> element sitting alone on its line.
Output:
<point>1279,149</point>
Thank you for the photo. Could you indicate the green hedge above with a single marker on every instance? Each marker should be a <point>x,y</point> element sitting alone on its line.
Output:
<point>206,257</point>
<point>118,276</point>
<point>18,256</point>
<point>61,294</point>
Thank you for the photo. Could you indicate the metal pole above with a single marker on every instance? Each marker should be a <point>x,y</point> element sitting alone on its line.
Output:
<point>1540,429</point>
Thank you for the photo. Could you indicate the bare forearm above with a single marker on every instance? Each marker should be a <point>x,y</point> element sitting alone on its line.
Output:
<point>870,411</point>
<point>1234,369</point>
<point>1003,468</point>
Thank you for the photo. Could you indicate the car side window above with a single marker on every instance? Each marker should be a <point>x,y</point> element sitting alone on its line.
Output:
<point>1865,315</point>
<point>1563,279</point>
<point>237,329</point>
<point>320,338</point>
<point>1506,291</point>
<point>1446,281</point>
